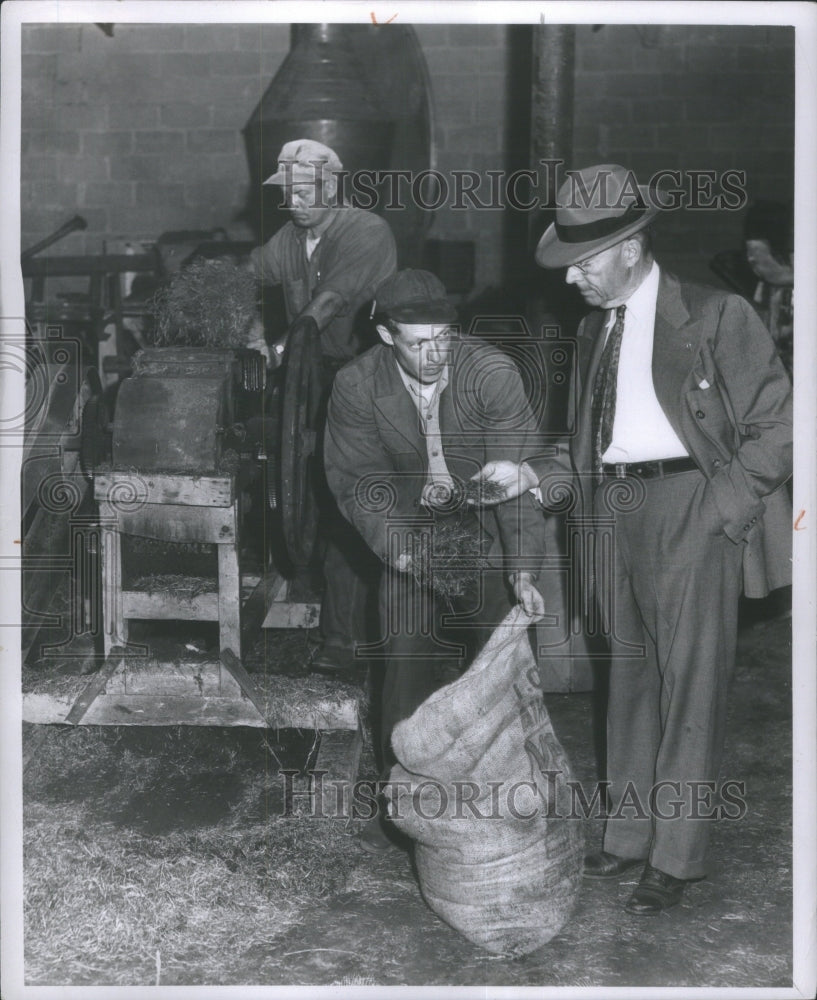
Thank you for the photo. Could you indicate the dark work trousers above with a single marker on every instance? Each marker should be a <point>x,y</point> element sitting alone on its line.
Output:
<point>350,569</point>
<point>427,640</point>
<point>668,581</point>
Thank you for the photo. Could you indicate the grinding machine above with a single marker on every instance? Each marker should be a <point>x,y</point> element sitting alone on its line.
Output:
<point>199,453</point>
<point>197,436</point>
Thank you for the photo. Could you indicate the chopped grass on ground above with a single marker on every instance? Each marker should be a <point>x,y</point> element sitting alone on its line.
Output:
<point>102,897</point>
<point>165,855</point>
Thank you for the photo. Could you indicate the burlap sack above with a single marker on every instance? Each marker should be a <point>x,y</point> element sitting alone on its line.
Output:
<point>480,785</point>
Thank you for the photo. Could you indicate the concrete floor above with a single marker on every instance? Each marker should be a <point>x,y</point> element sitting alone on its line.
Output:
<point>733,929</point>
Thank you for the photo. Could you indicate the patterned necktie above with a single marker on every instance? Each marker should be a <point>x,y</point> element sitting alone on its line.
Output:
<point>604,392</point>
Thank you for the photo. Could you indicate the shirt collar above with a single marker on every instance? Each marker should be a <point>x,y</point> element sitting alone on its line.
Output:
<point>641,304</point>
<point>336,212</point>
<point>419,390</point>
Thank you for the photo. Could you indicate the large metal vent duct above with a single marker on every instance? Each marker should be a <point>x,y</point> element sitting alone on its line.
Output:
<point>322,92</point>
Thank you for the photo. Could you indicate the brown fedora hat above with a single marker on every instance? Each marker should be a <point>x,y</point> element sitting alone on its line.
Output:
<point>596,207</point>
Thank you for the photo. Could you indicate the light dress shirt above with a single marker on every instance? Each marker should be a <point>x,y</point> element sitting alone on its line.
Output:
<point>641,431</point>
<point>426,397</point>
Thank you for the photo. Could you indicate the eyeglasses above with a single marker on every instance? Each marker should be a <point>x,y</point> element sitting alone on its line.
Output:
<point>583,266</point>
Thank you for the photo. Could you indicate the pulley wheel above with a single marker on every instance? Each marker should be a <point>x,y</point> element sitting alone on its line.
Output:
<point>94,424</point>
<point>299,432</point>
<point>95,436</point>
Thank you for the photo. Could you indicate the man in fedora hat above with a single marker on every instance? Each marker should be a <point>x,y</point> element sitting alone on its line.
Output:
<point>409,422</point>
<point>681,440</point>
<point>329,259</point>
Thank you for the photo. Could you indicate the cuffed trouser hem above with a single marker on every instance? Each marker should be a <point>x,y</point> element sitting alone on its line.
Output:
<point>677,867</point>
<point>626,848</point>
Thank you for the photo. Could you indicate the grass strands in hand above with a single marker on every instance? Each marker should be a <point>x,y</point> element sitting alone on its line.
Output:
<point>482,491</point>
<point>451,559</point>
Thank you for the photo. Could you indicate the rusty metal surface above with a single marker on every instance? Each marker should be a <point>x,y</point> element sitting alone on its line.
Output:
<point>390,127</point>
<point>169,424</point>
<point>552,101</point>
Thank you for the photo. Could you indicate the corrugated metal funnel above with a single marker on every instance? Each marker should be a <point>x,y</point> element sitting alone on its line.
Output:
<point>322,92</point>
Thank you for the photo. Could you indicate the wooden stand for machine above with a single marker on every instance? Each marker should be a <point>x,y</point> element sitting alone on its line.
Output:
<point>135,688</point>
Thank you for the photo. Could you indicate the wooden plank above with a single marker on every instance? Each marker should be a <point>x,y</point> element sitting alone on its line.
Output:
<point>181,680</point>
<point>194,491</point>
<point>229,599</point>
<point>338,757</point>
<point>170,710</point>
<point>193,678</point>
<point>166,604</point>
<point>115,627</point>
<point>175,522</point>
<point>148,710</point>
<point>93,689</point>
<point>236,670</point>
<point>286,615</point>
<point>283,613</point>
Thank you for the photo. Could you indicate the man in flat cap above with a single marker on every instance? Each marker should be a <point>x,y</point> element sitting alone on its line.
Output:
<point>329,259</point>
<point>409,423</point>
<point>681,438</point>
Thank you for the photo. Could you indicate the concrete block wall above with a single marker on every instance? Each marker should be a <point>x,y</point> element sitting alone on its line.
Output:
<point>468,68</point>
<point>141,132</point>
<point>690,98</point>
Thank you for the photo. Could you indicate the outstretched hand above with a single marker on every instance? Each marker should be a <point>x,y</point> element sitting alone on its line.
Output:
<point>512,478</point>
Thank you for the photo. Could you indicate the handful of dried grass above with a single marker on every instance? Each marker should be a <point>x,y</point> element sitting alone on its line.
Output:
<point>451,554</point>
<point>482,491</point>
<point>209,303</point>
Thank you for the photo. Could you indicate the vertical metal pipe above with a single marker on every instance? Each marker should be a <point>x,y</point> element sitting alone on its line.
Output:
<point>547,311</point>
<point>551,139</point>
<point>551,109</point>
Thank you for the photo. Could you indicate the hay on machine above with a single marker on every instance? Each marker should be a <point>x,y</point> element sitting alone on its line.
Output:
<point>210,303</point>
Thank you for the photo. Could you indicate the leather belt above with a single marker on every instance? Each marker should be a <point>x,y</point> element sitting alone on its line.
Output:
<point>650,470</point>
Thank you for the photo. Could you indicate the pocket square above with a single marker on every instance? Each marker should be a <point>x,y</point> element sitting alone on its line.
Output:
<point>703,384</point>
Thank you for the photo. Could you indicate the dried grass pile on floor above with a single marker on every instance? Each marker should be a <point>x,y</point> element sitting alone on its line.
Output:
<point>110,898</point>
<point>209,303</point>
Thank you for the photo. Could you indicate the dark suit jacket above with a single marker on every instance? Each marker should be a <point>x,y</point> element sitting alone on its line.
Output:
<point>726,394</point>
<point>376,458</point>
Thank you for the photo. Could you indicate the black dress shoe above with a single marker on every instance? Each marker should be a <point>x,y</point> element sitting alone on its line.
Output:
<point>656,892</point>
<point>603,865</point>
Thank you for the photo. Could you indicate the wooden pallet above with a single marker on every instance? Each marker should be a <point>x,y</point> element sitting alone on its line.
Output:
<point>198,690</point>
<point>191,689</point>
<point>145,684</point>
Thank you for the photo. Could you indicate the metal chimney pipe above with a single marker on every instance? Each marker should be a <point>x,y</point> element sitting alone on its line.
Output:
<point>322,92</point>
<point>554,47</point>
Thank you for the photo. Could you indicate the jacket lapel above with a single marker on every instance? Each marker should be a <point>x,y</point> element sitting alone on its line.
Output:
<point>394,404</point>
<point>676,344</point>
